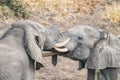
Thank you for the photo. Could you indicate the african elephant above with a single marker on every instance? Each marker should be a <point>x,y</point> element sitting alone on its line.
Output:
<point>21,46</point>
<point>99,50</point>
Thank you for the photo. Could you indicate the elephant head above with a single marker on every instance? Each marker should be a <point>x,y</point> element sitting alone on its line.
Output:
<point>37,38</point>
<point>99,48</point>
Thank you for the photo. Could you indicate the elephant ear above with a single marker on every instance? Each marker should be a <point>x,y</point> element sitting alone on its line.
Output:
<point>32,41</point>
<point>3,31</point>
<point>105,54</point>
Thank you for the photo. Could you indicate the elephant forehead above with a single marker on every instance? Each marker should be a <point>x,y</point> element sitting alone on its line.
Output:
<point>76,28</point>
<point>75,31</point>
<point>81,30</point>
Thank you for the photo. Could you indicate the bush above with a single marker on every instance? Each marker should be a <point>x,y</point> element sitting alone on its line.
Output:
<point>5,13</point>
<point>18,6</point>
<point>112,13</point>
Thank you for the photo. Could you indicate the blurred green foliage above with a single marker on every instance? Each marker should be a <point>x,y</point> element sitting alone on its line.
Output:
<point>19,8</point>
<point>5,13</point>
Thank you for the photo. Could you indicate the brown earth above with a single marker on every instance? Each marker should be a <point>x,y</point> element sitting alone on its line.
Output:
<point>66,69</point>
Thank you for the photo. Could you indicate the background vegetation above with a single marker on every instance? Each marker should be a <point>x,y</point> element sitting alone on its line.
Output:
<point>64,13</point>
<point>60,10</point>
<point>11,8</point>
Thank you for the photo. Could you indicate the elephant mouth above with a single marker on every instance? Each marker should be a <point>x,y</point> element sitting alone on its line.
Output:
<point>60,46</point>
<point>58,49</point>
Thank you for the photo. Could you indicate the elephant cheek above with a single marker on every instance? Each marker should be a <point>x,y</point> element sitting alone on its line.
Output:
<point>81,56</point>
<point>81,53</point>
<point>71,45</point>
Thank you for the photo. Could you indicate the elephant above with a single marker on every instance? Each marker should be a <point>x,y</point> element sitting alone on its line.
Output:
<point>97,50</point>
<point>21,49</point>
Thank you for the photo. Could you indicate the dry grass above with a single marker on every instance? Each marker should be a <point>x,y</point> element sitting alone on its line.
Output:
<point>82,6</point>
<point>112,12</point>
<point>70,11</point>
<point>62,12</point>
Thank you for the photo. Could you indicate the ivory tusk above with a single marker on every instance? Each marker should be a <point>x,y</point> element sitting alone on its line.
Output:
<point>118,36</point>
<point>62,43</point>
<point>61,49</point>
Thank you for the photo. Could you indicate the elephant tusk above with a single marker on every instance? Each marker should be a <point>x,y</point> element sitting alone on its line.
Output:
<point>62,43</point>
<point>118,36</point>
<point>61,49</point>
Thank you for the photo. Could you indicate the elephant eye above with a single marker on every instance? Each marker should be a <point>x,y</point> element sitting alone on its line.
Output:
<point>37,39</point>
<point>80,37</point>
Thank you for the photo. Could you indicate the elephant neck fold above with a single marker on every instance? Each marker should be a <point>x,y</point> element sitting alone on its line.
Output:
<point>91,64</point>
<point>103,36</point>
<point>105,53</point>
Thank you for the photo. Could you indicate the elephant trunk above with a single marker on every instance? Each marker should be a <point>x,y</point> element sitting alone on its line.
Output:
<point>49,53</point>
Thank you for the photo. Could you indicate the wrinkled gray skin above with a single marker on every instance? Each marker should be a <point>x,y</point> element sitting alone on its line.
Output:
<point>101,51</point>
<point>21,47</point>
